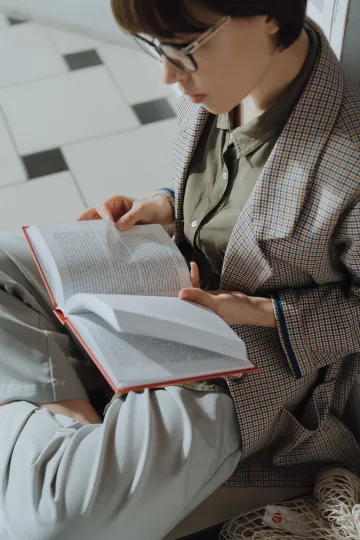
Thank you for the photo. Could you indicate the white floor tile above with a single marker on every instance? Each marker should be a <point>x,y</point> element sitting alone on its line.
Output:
<point>134,163</point>
<point>3,22</point>
<point>51,199</point>
<point>68,42</point>
<point>11,167</point>
<point>71,108</point>
<point>138,75</point>
<point>27,53</point>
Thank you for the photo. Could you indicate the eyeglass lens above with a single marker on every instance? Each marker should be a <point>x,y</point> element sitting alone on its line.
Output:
<point>174,55</point>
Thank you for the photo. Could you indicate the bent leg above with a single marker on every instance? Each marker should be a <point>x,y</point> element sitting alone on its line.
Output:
<point>36,362</point>
<point>155,458</point>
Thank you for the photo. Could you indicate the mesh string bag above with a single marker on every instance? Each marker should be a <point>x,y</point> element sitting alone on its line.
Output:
<point>333,513</point>
<point>338,502</point>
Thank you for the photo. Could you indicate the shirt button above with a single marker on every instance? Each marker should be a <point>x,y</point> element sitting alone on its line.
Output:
<point>194,223</point>
<point>225,175</point>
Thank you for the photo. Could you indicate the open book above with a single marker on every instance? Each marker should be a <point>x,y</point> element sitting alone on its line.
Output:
<point>117,293</point>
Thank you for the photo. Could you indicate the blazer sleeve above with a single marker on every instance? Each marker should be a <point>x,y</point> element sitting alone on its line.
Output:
<point>319,325</point>
<point>183,109</point>
<point>169,193</point>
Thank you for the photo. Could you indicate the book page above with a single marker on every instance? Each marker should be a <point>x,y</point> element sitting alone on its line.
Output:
<point>48,267</point>
<point>137,361</point>
<point>95,257</point>
<point>166,318</point>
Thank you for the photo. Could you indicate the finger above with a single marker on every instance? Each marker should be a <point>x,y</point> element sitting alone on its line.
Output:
<point>195,275</point>
<point>105,213</point>
<point>198,296</point>
<point>89,215</point>
<point>119,205</point>
<point>129,219</point>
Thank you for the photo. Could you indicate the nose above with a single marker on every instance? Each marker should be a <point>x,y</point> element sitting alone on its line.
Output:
<point>173,74</point>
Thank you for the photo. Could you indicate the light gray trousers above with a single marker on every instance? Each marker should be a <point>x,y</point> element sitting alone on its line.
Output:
<point>155,458</point>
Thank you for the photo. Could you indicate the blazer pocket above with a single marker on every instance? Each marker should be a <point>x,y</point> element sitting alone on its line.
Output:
<point>288,439</point>
<point>294,444</point>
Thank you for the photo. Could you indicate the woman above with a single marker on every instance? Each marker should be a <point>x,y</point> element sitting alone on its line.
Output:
<point>266,202</point>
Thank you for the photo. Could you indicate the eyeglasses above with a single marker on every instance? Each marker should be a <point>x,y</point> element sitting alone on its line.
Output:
<point>180,55</point>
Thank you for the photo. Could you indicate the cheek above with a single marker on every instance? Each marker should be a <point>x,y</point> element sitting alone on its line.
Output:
<point>249,69</point>
<point>231,73</point>
<point>250,53</point>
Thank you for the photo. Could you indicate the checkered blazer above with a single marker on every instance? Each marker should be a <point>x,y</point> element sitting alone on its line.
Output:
<point>297,241</point>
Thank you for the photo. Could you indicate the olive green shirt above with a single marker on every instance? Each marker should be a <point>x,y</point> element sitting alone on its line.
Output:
<point>224,171</point>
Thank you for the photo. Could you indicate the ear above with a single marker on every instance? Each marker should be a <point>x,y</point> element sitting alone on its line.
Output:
<point>272,26</point>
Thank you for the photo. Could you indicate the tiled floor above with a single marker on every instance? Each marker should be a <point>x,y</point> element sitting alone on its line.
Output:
<point>80,120</point>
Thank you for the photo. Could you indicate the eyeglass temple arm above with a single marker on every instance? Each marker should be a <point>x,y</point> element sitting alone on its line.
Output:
<point>212,32</point>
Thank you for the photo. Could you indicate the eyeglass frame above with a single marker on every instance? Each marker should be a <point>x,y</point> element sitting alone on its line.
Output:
<point>190,49</point>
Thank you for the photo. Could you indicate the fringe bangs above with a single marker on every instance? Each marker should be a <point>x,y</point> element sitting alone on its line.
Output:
<point>160,18</point>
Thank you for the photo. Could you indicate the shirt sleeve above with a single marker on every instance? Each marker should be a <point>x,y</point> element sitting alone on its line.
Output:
<point>320,325</point>
<point>155,458</point>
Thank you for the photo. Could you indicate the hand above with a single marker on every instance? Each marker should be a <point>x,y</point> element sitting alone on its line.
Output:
<point>126,212</point>
<point>79,410</point>
<point>234,308</point>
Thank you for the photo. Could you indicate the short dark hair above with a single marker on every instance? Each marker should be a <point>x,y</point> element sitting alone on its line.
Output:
<point>165,18</point>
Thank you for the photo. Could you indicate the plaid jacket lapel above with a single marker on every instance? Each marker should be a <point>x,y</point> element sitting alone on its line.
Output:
<point>192,121</point>
<point>281,189</point>
<point>278,197</point>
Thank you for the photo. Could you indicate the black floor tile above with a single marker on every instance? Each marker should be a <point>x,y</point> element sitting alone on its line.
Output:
<point>14,20</point>
<point>154,111</point>
<point>45,163</point>
<point>83,60</point>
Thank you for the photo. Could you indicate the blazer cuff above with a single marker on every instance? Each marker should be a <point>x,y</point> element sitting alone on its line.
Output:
<point>285,321</point>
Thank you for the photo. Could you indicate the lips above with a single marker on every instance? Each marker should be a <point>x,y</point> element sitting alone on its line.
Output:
<point>197,98</point>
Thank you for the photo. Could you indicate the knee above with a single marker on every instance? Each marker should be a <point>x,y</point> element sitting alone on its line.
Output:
<point>13,250</point>
<point>17,265</point>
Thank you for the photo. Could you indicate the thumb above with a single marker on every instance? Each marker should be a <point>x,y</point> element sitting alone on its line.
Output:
<point>198,296</point>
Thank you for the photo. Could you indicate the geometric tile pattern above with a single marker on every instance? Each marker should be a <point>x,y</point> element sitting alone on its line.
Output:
<point>80,120</point>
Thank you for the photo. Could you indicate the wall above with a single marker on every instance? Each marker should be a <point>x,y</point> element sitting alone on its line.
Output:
<point>92,17</point>
<point>351,45</point>
<point>321,11</point>
<point>340,20</point>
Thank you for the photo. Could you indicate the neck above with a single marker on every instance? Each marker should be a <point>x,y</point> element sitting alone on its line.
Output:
<point>284,68</point>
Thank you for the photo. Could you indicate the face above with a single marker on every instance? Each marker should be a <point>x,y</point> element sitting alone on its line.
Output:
<point>231,64</point>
